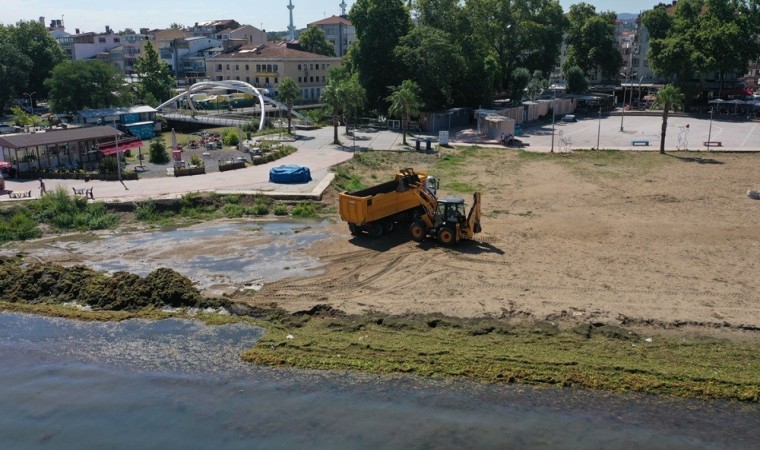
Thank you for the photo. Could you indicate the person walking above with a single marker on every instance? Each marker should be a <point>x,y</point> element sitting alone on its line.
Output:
<point>43,191</point>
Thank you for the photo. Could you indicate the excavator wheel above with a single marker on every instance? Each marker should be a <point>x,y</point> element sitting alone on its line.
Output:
<point>375,229</point>
<point>447,236</point>
<point>417,231</point>
<point>354,229</point>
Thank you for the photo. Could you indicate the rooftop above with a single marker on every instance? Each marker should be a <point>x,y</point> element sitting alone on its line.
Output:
<point>57,137</point>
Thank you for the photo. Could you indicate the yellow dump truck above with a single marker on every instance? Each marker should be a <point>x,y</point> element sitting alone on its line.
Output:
<point>377,209</point>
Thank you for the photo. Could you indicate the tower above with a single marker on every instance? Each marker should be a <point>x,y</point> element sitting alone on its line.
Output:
<point>291,27</point>
<point>343,8</point>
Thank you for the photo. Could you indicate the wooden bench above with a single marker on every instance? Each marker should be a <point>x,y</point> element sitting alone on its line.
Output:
<point>713,144</point>
<point>640,142</point>
<point>87,192</point>
<point>20,194</point>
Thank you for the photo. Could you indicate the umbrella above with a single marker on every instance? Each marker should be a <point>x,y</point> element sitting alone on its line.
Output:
<point>174,140</point>
<point>5,165</point>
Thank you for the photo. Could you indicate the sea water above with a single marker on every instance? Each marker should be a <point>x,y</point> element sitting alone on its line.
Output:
<point>181,384</point>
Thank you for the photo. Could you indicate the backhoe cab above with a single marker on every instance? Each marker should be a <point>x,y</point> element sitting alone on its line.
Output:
<point>446,219</point>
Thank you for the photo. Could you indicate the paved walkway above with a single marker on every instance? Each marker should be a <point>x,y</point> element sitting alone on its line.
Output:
<point>316,151</point>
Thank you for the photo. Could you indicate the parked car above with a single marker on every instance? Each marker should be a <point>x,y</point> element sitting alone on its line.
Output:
<point>2,182</point>
<point>569,118</point>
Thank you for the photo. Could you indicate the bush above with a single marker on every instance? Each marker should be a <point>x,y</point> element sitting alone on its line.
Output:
<point>64,212</point>
<point>261,209</point>
<point>304,209</point>
<point>231,137</point>
<point>233,210</point>
<point>280,210</point>
<point>158,154</point>
<point>107,165</point>
<point>195,160</point>
<point>146,212</point>
<point>19,228</point>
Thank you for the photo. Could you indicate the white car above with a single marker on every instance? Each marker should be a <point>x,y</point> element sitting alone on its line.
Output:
<point>569,118</point>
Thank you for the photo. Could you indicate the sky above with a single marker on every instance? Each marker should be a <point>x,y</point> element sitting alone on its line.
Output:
<point>270,15</point>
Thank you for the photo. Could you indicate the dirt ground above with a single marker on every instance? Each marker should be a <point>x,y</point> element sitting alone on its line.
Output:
<point>630,238</point>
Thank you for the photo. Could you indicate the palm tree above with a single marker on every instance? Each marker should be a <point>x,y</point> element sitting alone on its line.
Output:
<point>668,97</point>
<point>405,103</point>
<point>331,95</point>
<point>288,93</point>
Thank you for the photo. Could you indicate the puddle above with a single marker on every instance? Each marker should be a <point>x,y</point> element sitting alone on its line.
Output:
<point>211,254</point>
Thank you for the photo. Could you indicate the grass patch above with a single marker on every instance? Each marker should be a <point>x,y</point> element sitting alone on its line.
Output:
<point>303,210</point>
<point>605,358</point>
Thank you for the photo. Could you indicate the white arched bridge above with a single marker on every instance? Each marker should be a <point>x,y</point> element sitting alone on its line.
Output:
<point>195,105</point>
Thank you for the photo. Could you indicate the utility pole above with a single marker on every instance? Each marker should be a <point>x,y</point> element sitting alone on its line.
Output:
<point>554,101</point>
<point>599,128</point>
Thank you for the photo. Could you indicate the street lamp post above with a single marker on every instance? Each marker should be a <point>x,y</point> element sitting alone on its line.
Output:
<point>31,103</point>
<point>599,128</point>
<point>622,114</point>
<point>709,131</point>
<point>554,101</point>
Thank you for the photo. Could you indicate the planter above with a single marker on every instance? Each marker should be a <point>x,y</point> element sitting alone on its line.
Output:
<point>223,167</point>
<point>187,172</point>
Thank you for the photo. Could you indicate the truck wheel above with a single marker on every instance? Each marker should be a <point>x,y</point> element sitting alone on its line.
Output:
<point>375,229</point>
<point>388,226</point>
<point>417,231</point>
<point>447,236</point>
<point>354,229</point>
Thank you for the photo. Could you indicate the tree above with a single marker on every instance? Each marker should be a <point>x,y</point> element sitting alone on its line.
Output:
<point>75,85</point>
<point>518,33</point>
<point>434,61</point>
<point>331,96</point>
<point>313,40</point>
<point>23,119</point>
<point>154,74</point>
<point>176,26</point>
<point>352,97</point>
<point>577,83</point>
<point>405,103</point>
<point>158,154</point>
<point>33,41</point>
<point>667,98</point>
<point>380,24</point>
<point>14,68</point>
<point>536,85</point>
<point>519,81</point>
<point>591,41</point>
<point>702,37</point>
<point>343,93</point>
<point>288,92</point>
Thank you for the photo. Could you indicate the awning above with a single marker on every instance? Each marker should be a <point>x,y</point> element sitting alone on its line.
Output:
<point>110,150</point>
<point>135,124</point>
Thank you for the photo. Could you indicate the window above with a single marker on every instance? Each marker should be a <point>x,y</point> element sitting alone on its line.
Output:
<point>266,80</point>
<point>323,67</point>
<point>311,66</point>
<point>116,40</point>
<point>246,67</point>
<point>237,66</point>
<point>237,78</point>
<point>258,67</point>
<point>228,67</point>
<point>299,67</point>
<point>275,68</point>
<point>257,81</point>
<point>218,67</point>
<point>311,79</point>
<point>247,79</point>
<point>102,40</point>
<point>323,78</point>
<point>276,80</point>
<point>219,78</point>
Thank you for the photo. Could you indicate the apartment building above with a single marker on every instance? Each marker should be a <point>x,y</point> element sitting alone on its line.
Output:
<point>338,30</point>
<point>265,66</point>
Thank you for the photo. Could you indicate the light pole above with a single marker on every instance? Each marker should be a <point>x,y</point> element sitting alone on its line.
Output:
<point>599,128</point>
<point>554,100</point>
<point>640,80</point>
<point>622,114</point>
<point>709,131</point>
<point>31,103</point>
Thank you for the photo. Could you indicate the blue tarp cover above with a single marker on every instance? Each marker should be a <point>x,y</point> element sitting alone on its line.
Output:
<point>290,174</point>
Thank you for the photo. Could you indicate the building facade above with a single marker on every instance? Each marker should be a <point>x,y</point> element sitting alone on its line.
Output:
<point>338,30</point>
<point>265,66</point>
